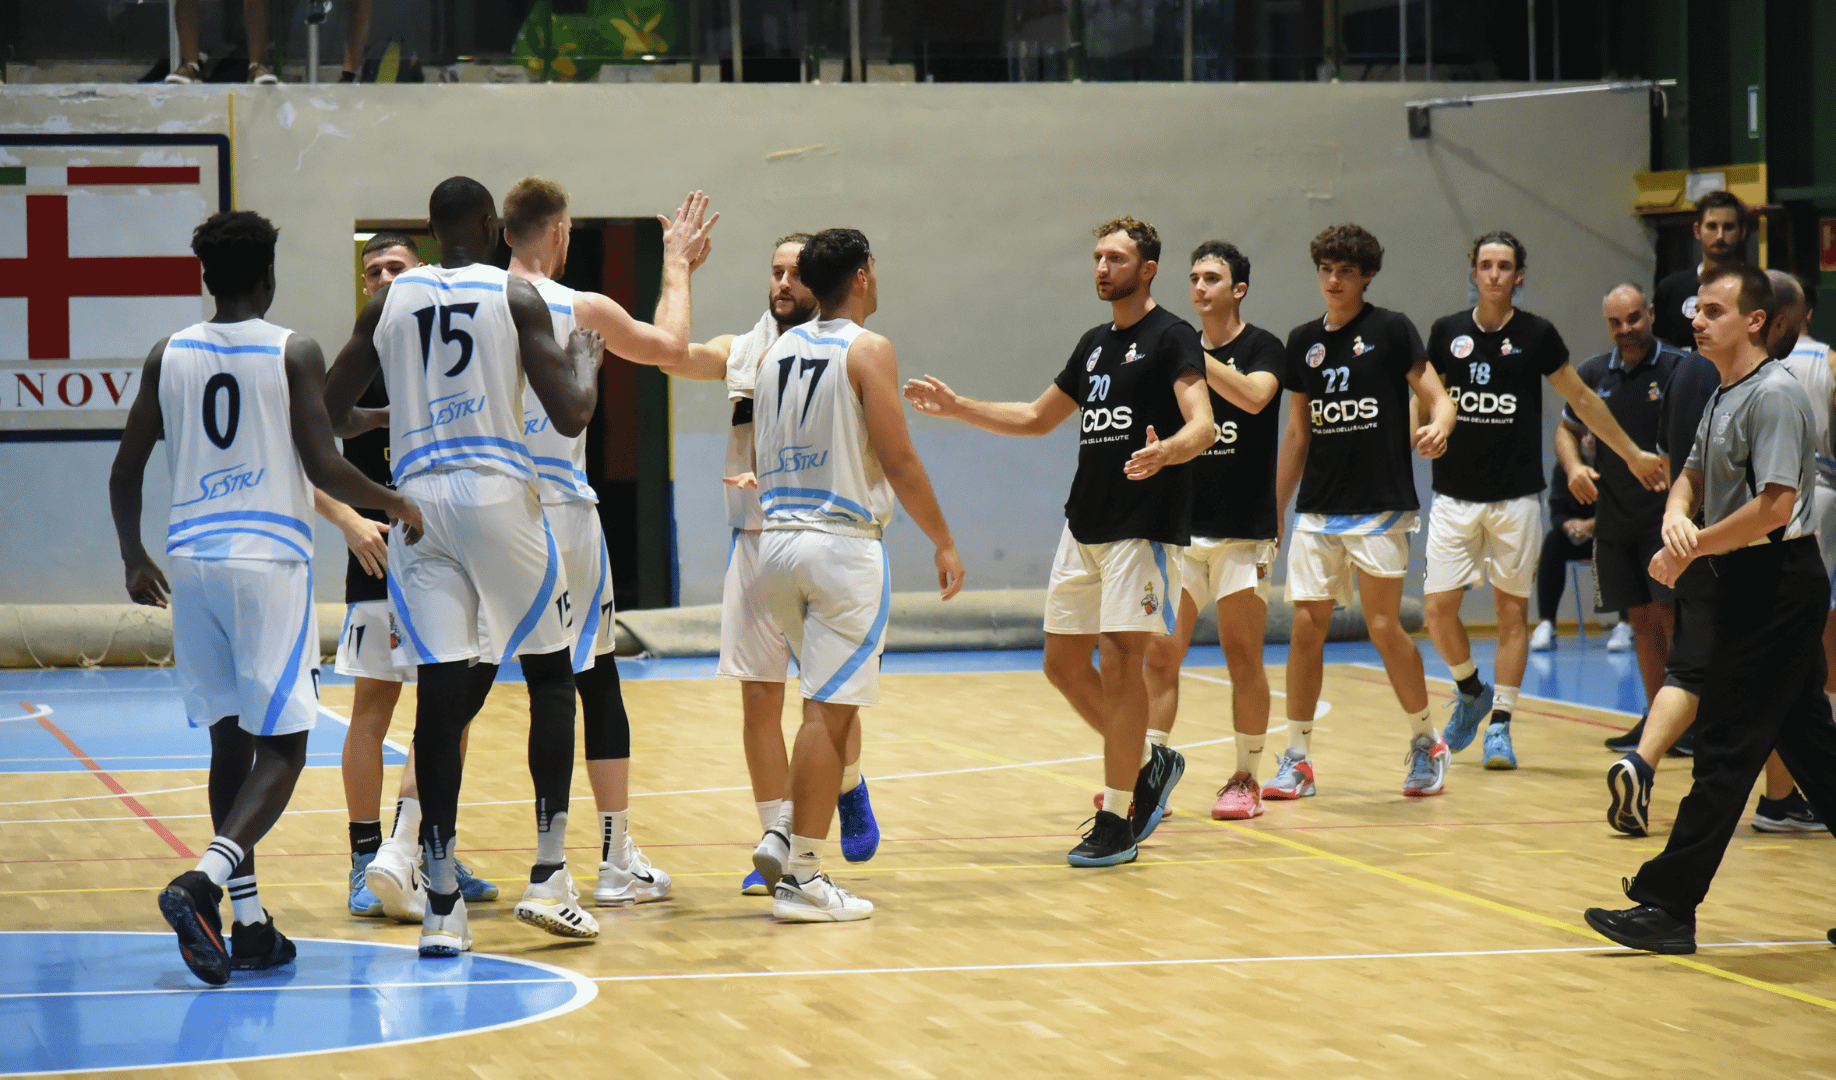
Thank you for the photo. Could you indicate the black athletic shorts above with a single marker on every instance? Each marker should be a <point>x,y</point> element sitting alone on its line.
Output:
<point>1622,573</point>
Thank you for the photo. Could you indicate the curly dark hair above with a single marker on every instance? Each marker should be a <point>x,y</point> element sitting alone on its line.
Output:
<point>1348,243</point>
<point>828,261</point>
<point>1145,236</point>
<point>1498,236</point>
<point>1721,200</point>
<point>236,248</point>
<point>1226,253</point>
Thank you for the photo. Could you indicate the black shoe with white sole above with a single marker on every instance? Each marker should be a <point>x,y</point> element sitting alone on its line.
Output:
<point>1792,814</point>
<point>1629,781</point>
<point>1627,741</point>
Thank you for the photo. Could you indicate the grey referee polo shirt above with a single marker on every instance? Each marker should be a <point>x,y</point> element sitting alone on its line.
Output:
<point>1757,432</point>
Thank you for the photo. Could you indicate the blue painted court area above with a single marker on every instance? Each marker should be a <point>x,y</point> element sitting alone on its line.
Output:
<point>123,719</point>
<point>81,1001</point>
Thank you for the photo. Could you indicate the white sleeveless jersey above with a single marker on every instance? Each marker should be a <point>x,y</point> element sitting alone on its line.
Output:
<point>560,462</point>
<point>742,371</point>
<point>1809,363</point>
<point>448,349</point>
<point>238,489</point>
<point>815,468</point>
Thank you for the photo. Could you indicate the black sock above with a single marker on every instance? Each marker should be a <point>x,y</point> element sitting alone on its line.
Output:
<point>442,903</point>
<point>1471,686</point>
<point>540,872</point>
<point>1500,716</point>
<point>366,837</point>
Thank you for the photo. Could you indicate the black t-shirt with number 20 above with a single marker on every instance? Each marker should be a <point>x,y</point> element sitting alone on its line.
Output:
<point>1122,381</point>
<point>1357,381</point>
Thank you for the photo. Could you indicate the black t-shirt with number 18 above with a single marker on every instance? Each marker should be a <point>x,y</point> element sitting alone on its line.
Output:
<point>1357,380</point>
<point>1496,381</point>
<point>1122,381</point>
<point>1233,483</point>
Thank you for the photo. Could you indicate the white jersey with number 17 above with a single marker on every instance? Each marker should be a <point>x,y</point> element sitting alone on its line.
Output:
<point>238,489</point>
<point>449,356</point>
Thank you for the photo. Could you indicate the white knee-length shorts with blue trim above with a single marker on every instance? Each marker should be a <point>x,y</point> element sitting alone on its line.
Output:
<point>485,583</point>
<point>1120,587</point>
<point>752,648</point>
<point>588,567</point>
<point>830,595</point>
<point>245,640</point>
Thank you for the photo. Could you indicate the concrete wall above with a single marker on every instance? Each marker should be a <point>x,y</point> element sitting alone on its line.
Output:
<point>978,200</point>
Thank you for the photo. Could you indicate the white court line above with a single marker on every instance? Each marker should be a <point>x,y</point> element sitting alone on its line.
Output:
<point>346,721</point>
<point>1208,961</point>
<point>38,712</point>
<point>106,795</point>
<point>1320,708</point>
<point>1522,697</point>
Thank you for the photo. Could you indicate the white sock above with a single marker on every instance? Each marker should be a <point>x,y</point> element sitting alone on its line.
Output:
<point>851,776</point>
<point>613,835</point>
<point>220,859</point>
<point>1249,752</point>
<point>1158,737</point>
<point>1300,739</point>
<point>1115,800</point>
<point>768,813</point>
<point>1419,725</point>
<point>245,901</point>
<point>407,828</point>
<point>551,835</point>
<point>1147,753</point>
<point>1462,669</point>
<point>805,858</point>
<point>784,816</point>
<point>1504,699</point>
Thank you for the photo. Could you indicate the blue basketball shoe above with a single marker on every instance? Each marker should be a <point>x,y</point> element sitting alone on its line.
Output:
<point>860,833</point>
<point>363,902</point>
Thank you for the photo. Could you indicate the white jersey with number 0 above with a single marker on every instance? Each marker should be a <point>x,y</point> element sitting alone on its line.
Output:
<point>560,462</point>
<point>238,490</point>
<point>814,465</point>
<point>449,357</point>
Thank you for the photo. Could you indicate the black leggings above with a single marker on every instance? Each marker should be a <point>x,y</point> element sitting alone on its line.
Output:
<point>1552,569</point>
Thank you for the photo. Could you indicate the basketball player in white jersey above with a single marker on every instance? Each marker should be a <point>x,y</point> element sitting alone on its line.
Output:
<point>830,452</point>
<point>536,226</point>
<point>370,651</point>
<point>237,400</point>
<point>455,342</point>
<point>752,648</point>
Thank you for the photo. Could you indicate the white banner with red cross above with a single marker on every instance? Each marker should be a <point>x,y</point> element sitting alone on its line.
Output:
<point>96,266</point>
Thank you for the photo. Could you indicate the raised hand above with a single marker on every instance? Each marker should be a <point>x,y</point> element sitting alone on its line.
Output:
<point>932,396</point>
<point>686,238</point>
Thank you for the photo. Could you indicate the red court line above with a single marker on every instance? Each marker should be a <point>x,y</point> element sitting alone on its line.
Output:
<point>158,826</point>
<point>1520,710</point>
<point>132,174</point>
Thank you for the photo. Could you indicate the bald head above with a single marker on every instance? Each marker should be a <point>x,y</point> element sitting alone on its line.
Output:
<point>1628,315</point>
<point>1789,314</point>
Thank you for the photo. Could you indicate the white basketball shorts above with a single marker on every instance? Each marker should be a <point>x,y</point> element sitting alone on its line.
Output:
<point>485,583</point>
<point>588,567</point>
<point>1469,542</point>
<point>1823,516</point>
<point>1214,569</point>
<point>1124,586</point>
<point>752,648</point>
<point>831,596</point>
<point>1323,566</point>
<point>245,641</point>
<point>372,645</point>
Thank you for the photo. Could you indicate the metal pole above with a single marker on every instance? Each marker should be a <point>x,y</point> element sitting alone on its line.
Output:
<point>1428,40</point>
<point>1531,5</point>
<point>312,54</point>
<point>1555,39</point>
<point>1402,40</point>
<point>733,15</point>
<point>694,33</point>
<point>1074,25</point>
<point>172,45</point>
<point>859,73</point>
<point>1186,57</point>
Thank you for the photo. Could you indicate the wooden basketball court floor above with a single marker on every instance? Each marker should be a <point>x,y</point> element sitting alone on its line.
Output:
<point>1355,934</point>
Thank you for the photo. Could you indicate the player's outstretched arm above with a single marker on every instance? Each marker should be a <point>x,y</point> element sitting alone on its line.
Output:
<point>874,370</point>
<point>312,438</point>
<point>1250,392</point>
<point>1651,470</point>
<point>145,583</point>
<point>933,396</point>
<point>704,363</point>
<point>1581,476</point>
<point>1191,440</point>
<point>565,381</point>
<point>1292,460</point>
<point>1431,438</point>
<point>356,368</point>
<point>686,245</point>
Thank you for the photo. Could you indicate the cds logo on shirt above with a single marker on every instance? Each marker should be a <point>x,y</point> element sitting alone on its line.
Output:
<point>1120,418</point>
<point>1485,403</point>
<point>1226,432</point>
<point>1341,412</point>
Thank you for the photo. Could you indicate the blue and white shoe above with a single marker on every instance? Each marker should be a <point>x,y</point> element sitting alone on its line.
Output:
<point>754,885</point>
<point>1427,760</point>
<point>1469,711</point>
<point>363,902</point>
<point>1498,753</point>
<point>860,833</point>
<point>472,887</point>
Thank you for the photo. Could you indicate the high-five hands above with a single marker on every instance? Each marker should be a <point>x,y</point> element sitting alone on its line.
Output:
<point>688,237</point>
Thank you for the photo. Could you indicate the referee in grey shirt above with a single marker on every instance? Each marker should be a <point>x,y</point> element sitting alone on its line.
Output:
<point>1751,468</point>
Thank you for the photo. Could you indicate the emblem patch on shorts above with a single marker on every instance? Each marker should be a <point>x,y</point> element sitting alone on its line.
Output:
<point>1149,602</point>
<point>395,638</point>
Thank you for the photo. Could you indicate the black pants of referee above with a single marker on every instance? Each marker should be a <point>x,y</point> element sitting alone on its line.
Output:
<point>1764,692</point>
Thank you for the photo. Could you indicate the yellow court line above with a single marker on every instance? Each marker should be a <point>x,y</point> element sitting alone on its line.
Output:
<point>1442,890</point>
<point>1026,866</point>
<point>153,888</point>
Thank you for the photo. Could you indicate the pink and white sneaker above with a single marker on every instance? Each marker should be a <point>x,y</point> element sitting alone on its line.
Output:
<point>1293,778</point>
<point>1239,800</point>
